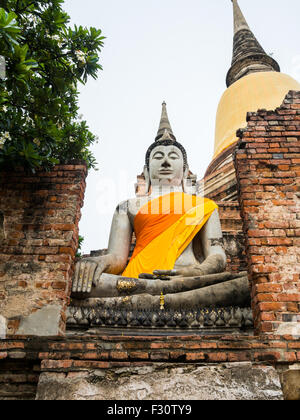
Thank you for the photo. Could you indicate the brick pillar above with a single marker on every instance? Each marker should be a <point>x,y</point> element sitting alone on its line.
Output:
<point>39,218</point>
<point>268,171</point>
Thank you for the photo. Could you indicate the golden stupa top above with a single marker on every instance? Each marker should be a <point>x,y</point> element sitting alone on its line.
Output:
<point>265,90</point>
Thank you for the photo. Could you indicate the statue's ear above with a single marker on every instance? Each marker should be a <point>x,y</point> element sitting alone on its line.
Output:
<point>147,179</point>
<point>185,180</point>
<point>186,172</point>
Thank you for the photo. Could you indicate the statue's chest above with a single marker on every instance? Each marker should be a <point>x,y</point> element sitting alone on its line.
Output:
<point>188,257</point>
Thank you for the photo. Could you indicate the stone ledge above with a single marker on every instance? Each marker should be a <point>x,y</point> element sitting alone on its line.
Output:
<point>95,381</point>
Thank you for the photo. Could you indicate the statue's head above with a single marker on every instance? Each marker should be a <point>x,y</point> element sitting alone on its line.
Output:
<point>166,163</point>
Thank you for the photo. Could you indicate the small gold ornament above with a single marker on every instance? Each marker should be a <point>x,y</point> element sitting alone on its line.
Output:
<point>162,302</point>
<point>124,286</point>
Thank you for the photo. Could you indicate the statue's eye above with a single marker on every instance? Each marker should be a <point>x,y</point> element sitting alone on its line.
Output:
<point>158,156</point>
<point>173,156</point>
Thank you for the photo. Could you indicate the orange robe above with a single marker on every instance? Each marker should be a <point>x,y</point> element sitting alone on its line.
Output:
<point>164,227</point>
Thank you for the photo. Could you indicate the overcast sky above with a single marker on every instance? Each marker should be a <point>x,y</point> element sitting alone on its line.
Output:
<point>177,51</point>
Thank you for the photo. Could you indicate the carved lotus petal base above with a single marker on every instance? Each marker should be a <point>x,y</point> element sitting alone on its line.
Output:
<point>214,319</point>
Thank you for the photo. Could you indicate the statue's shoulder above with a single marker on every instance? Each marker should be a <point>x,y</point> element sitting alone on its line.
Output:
<point>122,207</point>
<point>134,204</point>
<point>128,206</point>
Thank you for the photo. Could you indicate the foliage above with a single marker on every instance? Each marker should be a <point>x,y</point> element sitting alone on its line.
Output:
<point>80,243</point>
<point>45,60</point>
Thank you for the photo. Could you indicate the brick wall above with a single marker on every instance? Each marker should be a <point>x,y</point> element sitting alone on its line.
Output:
<point>268,171</point>
<point>38,241</point>
<point>121,350</point>
<point>233,236</point>
<point>18,378</point>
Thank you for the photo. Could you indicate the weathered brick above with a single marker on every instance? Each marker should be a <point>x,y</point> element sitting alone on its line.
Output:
<point>266,297</point>
<point>118,355</point>
<point>159,345</point>
<point>289,297</point>
<point>195,357</point>
<point>138,355</point>
<point>217,357</point>
<point>267,356</point>
<point>269,287</point>
<point>272,306</point>
<point>159,356</point>
<point>238,357</point>
<point>290,357</point>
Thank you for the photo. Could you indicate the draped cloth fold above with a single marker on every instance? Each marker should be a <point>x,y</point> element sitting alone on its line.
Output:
<point>164,227</point>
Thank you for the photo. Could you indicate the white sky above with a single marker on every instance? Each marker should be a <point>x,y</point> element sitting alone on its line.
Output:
<point>173,50</point>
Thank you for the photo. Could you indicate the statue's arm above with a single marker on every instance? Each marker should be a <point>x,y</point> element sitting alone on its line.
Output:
<point>119,241</point>
<point>88,271</point>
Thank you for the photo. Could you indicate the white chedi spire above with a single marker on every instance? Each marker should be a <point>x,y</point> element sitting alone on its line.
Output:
<point>239,19</point>
<point>164,124</point>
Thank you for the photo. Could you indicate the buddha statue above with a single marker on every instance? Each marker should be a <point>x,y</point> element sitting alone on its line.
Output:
<point>179,257</point>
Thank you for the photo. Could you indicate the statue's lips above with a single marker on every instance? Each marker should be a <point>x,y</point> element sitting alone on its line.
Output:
<point>166,172</point>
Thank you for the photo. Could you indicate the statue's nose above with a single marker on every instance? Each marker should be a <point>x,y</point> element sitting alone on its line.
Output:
<point>166,164</point>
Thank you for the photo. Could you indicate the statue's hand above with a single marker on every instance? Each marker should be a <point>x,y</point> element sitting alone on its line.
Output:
<point>87,274</point>
<point>166,274</point>
<point>159,275</point>
<point>189,271</point>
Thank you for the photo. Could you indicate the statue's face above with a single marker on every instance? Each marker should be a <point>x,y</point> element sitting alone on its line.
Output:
<point>166,166</point>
